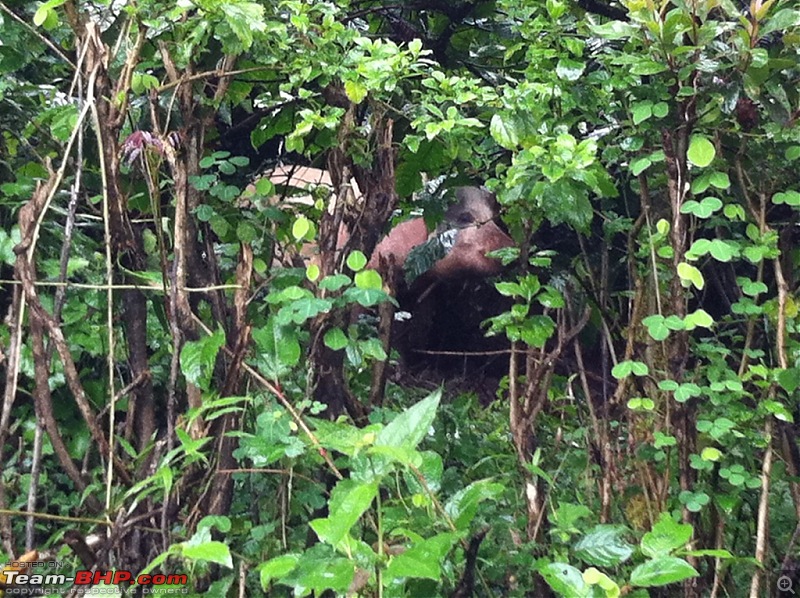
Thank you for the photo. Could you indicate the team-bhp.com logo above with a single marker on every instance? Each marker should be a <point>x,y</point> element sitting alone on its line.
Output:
<point>19,578</point>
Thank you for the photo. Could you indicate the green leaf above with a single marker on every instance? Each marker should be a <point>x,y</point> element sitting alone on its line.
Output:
<point>687,391</point>
<point>198,358</point>
<point>639,165</point>
<point>569,70</point>
<point>410,427</point>
<point>656,327</point>
<point>278,348</point>
<point>789,379</point>
<point>245,19</point>
<point>701,151</point>
<point>702,209</point>
<point>661,572</point>
<point>594,577</point>
<point>641,111</point>
<point>423,559</point>
<point>710,454</point>
<point>647,67</point>
<point>335,339</point>
<point>699,317</point>
<point>463,506</point>
<point>626,368</point>
<point>666,536</point>
<point>565,579</point>
<point>691,275</point>
<point>355,91</point>
<point>356,261</point>
<point>369,279</point>
<point>661,109</point>
<point>604,546</point>
<point>781,21</point>
<point>349,500</point>
<point>790,198</point>
<point>211,552</point>
<point>334,282</point>
<point>277,568</point>
<point>504,130</point>
<point>301,228</point>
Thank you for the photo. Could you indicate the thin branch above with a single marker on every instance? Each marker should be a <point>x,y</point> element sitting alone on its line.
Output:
<point>37,34</point>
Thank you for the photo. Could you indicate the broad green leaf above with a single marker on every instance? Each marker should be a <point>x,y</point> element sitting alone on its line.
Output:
<point>656,327</point>
<point>661,109</point>
<point>641,111</point>
<point>335,339</point>
<point>277,568</point>
<point>334,282</point>
<point>701,151</point>
<point>278,348</point>
<point>564,579</point>
<point>356,261</point>
<point>410,427</point>
<point>789,379</point>
<point>699,317</point>
<point>423,559</point>
<point>790,198</point>
<point>626,368</point>
<point>691,275</point>
<point>349,500</point>
<point>463,506</point>
<point>639,165</point>
<point>355,91</point>
<point>569,70</point>
<point>198,358</point>
<point>604,546</point>
<point>666,536</point>
<point>368,279</point>
<point>661,572</point>
<point>211,552</point>
<point>711,454</point>
<point>504,130</point>
<point>301,228</point>
<point>781,21</point>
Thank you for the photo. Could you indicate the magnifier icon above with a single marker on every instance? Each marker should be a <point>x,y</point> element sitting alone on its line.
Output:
<point>785,584</point>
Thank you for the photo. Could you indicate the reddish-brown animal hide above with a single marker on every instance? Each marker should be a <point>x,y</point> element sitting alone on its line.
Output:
<point>470,221</point>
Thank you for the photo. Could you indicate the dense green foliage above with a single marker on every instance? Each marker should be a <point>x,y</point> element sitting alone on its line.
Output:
<point>200,408</point>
